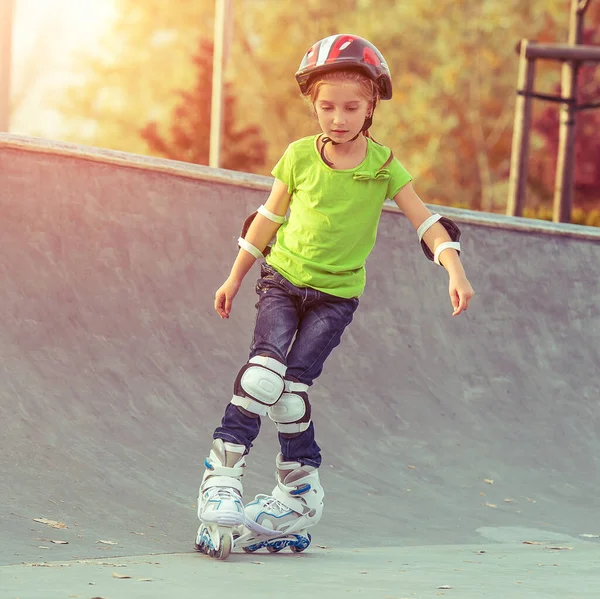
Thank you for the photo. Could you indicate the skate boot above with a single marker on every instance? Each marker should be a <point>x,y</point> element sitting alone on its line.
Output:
<point>220,507</point>
<point>280,520</point>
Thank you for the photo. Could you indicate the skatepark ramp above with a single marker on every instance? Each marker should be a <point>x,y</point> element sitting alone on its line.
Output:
<point>115,369</point>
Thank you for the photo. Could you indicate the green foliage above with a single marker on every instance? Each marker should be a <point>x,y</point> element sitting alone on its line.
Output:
<point>134,75</point>
<point>453,65</point>
<point>188,137</point>
<point>589,218</point>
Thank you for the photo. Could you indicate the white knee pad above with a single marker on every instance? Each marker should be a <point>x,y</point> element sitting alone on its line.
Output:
<point>291,414</point>
<point>259,384</point>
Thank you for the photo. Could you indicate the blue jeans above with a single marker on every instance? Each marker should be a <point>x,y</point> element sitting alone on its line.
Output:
<point>300,327</point>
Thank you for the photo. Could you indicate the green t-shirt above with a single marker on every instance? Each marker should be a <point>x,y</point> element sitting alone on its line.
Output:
<point>333,216</point>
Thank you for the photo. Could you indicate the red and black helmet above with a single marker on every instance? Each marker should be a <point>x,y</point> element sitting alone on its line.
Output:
<point>343,51</point>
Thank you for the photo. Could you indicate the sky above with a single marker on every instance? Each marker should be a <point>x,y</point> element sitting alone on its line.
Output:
<point>47,37</point>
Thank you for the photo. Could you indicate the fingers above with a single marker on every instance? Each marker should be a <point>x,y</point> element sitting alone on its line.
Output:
<point>455,300</point>
<point>222,304</point>
<point>460,300</point>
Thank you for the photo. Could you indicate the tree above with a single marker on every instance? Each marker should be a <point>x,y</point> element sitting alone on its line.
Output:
<point>189,128</point>
<point>453,65</point>
<point>134,74</point>
<point>454,70</point>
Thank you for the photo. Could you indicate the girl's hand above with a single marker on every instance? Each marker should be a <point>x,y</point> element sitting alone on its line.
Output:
<point>224,297</point>
<point>461,293</point>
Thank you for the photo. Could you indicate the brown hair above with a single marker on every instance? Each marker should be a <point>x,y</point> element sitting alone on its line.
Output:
<point>367,86</point>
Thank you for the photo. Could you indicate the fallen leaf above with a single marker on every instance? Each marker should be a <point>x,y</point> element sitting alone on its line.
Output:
<point>412,467</point>
<point>557,548</point>
<point>258,563</point>
<point>589,536</point>
<point>144,579</point>
<point>46,565</point>
<point>117,575</point>
<point>43,547</point>
<point>490,504</point>
<point>445,587</point>
<point>323,547</point>
<point>107,542</point>
<point>507,500</point>
<point>532,543</point>
<point>489,481</point>
<point>60,542</point>
<point>52,523</point>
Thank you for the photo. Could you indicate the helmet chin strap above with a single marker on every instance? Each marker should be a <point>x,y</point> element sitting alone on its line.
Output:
<point>325,140</point>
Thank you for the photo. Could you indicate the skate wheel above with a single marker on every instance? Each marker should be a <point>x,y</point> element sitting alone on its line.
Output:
<point>271,549</point>
<point>296,549</point>
<point>225,545</point>
<point>247,550</point>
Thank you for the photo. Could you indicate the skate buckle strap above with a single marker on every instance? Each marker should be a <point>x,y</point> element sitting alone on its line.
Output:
<point>301,490</point>
<point>217,470</point>
<point>284,495</point>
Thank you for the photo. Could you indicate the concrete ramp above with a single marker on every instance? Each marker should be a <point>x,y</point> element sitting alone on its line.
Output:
<point>468,432</point>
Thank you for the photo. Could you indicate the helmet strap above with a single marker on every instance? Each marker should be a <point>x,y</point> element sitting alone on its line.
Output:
<point>325,140</point>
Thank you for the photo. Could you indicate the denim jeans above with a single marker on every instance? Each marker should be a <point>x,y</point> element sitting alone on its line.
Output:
<point>300,327</point>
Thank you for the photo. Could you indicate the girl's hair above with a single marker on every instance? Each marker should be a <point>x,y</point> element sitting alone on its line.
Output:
<point>367,86</point>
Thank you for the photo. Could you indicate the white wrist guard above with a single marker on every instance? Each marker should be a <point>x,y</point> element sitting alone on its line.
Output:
<point>270,215</point>
<point>455,245</point>
<point>251,249</point>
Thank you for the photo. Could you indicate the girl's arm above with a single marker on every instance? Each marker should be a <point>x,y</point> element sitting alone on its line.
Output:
<point>261,231</point>
<point>417,213</point>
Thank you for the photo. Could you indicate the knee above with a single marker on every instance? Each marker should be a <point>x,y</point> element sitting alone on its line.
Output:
<point>259,385</point>
<point>292,413</point>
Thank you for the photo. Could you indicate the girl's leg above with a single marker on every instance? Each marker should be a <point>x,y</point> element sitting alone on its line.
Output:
<point>276,323</point>
<point>259,384</point>
<point>296,502</point>
<point>319,333</point>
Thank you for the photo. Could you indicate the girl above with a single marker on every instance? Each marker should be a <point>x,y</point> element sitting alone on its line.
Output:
<point>334,186</point>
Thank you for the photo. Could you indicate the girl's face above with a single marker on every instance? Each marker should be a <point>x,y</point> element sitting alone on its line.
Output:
<point>341,110</point>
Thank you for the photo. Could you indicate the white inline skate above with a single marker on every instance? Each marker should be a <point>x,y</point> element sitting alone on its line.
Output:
<point>220,507</point>
<point>280,520</point>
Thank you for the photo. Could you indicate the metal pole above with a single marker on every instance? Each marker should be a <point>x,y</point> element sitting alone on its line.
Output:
<point>565,167</point>
<point>6,26</point>
<point>517,184</point>
<point>222,18</point>
<point>563,52</point>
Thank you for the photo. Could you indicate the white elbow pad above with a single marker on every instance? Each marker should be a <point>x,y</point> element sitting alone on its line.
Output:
<point>455,245</point>
<point>251,249</point>
<point>452,229</point>
<point>270,215</point>
<point>426,225</point>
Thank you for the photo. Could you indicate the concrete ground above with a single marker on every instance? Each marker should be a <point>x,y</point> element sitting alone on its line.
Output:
<point>465,571</point>
<point>458,453</point>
